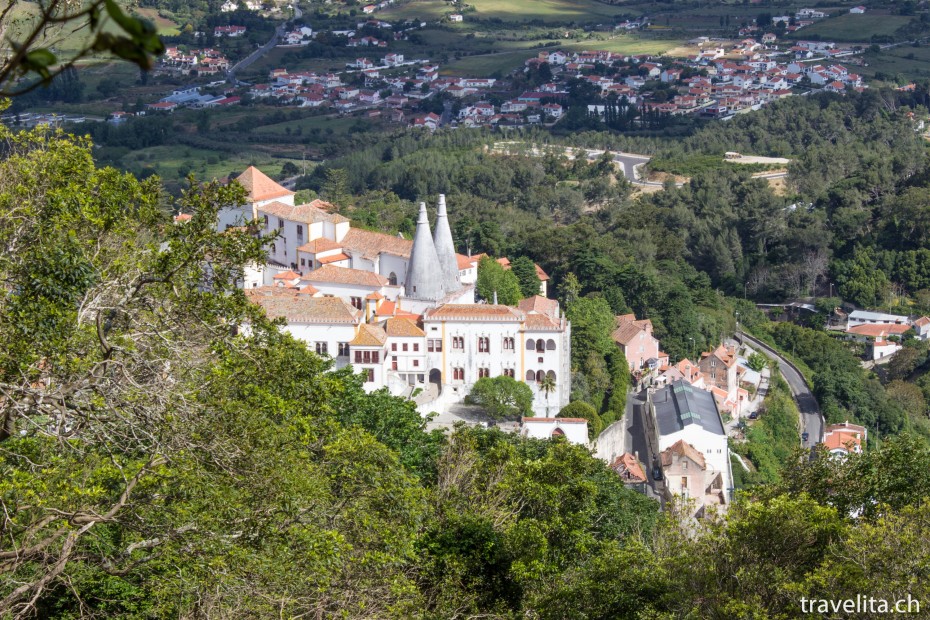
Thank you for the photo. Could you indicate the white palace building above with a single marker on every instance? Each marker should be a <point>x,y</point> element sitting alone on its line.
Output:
<point>402,312</point>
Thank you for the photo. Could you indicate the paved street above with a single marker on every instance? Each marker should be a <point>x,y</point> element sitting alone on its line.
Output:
<point>264,49</point>
<point>807,404</point>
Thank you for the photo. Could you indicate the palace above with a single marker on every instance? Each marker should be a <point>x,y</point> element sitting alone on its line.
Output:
<point>402,312</point>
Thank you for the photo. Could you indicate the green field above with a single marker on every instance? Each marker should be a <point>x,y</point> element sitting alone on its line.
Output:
<point>905,62</point>
<point>854,28</point>
<point>328,124</point>
<point>545,11</point>
<point>167,161</point>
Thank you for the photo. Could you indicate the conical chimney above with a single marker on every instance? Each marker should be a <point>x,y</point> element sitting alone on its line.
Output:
<point>445,248</point>
<point>424,275</point>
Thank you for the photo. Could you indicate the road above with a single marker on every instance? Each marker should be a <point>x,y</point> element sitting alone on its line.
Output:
<point>264,49</point>
<point>807,404</point>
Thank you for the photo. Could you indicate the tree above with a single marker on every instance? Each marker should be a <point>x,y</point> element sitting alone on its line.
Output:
<point>108,29</point>
<point>525,271</point>
<point>757,362</point>
<point>547,386</point>
<point>494,280</point>
<point>579,409</point>
<point>503,397</point>
<point>336,187</point>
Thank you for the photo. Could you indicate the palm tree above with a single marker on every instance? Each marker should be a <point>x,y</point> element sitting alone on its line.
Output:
<point>547,385</point>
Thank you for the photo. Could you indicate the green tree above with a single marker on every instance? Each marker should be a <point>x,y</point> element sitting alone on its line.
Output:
<point>336,189</point>
<point>525,271</point>
<point>494,279</point>
<point>579,409</point>
<point>503,397</point>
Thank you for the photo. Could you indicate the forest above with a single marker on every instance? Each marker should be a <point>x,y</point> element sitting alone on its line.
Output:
<point>157,464</point>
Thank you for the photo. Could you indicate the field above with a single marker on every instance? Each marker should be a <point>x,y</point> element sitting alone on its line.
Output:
<point>170,161</point>
<point>542,11</point>
<point>905,63</point>
<point>854,28</point>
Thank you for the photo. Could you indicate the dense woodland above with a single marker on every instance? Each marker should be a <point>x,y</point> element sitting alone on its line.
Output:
<point>156,464</point>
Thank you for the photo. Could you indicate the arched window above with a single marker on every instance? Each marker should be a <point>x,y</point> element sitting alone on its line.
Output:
<point>530,344</point>
<point>550,345</point>
<point>540,346</point>
<point>540,375</point>
<point>530,377</point>
<point>392,279</point>
<point>551,374</point>
<point>558,432</point>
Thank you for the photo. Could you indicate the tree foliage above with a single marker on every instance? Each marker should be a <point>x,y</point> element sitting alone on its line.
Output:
<point>503,397</point>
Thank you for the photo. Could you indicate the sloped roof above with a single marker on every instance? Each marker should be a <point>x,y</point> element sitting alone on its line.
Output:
<point>629,468</point>
<point>369,336</point>
<point>306,213</point>
<point>260,187</point>
<point>402,327</point>
<point>876,330</point>
<point>682,448</point>
<point>319,245</point>
<point>344,275</point>
<point>540,304</point>
<point>475,312</point>
<point>296,307</point>
<point>922,321</point>
<point>679,404</point>
<point>335,258</point>
<point>465,262</point>
<point>629,328</point>
<point>537,321</point>
<point>370,244</point>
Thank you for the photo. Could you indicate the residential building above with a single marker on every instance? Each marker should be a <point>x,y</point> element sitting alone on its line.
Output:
<point>636,341</point>
<point>719,369</point>
<point>844,438</point>
<point>574,430</point>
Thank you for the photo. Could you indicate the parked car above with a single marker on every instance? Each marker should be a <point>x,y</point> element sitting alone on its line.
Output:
<point>805,436</point>
<point>753,415</point>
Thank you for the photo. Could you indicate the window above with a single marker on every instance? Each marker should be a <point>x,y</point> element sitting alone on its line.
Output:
<point>393,346</point>
<point>416,363</point>
<point>458,342</point>
<point>374,356</point>
<point>484,344</point>
<point>551,374</point>
<point>458,374</point>
<point>392,279</point>
<point>684,465</point>
<point>405,346</point>
<point>357,303</point>
<point>343,349</point>
<point>530,377</point>
<point>530,344</point>
<point>433,345</point>
<point>358,357</point>
<point>371,376</point>
<point>550,345</point>
<point>508,344</point>
<point>322,348</point>
<point>416,346</point>
<point>484,372</point>
<point>303,262</point>
<point>266,220</point>
<point>508,372</point>
<point>366,357</point>
<point>540,375</point>
<point>540,346</point>
<point>300,231</point>
<point>280,223</point>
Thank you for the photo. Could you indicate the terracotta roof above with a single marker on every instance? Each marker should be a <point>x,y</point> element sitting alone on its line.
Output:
<point>540,304</point>
<point>682,448</point>
<point>629,468</point>
<point>287,275</point>
<point>374,296</point>
<point>307,213</point>
<point>344,275</point>
<point>369,336</point>
<point>541,322</point>
<point>475,312</point>
<point>543,276</point>
<point>628,328</point>
<point>260,187</point>
<point>877,330</point>
<point>922,321</point>
<point>844,436</point>
<point>402,328</point>
<point>296,307</point>
<point>335,258</point>
<point>465,262</point>
<point>319,245</point>
<point>721,353</point>
<point>370,244</point>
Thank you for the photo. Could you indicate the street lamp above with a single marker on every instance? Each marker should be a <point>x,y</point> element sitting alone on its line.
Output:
<point>691,348</point>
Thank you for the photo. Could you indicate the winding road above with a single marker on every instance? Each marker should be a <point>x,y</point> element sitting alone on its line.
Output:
<point>807,404</point>
<point>264,49</point>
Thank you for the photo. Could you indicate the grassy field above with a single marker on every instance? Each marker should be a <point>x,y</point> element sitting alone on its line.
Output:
<point>169,161</point>
<point>906,61</point>
<point>327,124</point>
<point>545,11</point>
<point>854,28</point>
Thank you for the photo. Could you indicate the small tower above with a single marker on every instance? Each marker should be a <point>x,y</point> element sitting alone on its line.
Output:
<point>445,249</point>
<point>424,275</point>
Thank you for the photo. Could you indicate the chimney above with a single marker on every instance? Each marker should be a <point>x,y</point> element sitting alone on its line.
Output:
<point>495,298</point>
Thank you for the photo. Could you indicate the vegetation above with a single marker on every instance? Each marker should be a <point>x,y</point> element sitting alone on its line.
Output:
<point>502,397</point>
<point>773,438</point>
<point>495,282</point>
<point>580,409</point>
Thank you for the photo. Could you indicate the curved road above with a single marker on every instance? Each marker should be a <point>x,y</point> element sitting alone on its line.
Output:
<point>264,49</point>
<point>807,404</point>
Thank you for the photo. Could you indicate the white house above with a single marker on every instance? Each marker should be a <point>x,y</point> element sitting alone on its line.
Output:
<point>857,10</point>
<point>922,328</point>
<point>862,317</point>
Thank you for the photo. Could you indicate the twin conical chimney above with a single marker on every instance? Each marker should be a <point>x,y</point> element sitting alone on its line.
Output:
<point>424,274</point>
<point>445,248</point>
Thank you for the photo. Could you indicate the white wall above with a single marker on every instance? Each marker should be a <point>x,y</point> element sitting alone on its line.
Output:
<point>332,335</point>
<point>711,445</point>
<point>575,432</point>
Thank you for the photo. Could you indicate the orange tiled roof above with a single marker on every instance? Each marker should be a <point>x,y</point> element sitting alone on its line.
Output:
<point>370,244</point>
<point>260,187</point>
<point>922,321</point>
<point>344,275</point>
<point>335,258</point>
<point>628,467</point>
<point>877,330</point>
<point>540,304</point>
<point>287,275</point>
<point>475,312</point>
<point>628,328</point>
<point>465,262</point>
<point>319,245</point>
<point>540,322</point>
<point>306,213</point>
<point>402,327</point>
<point>296,307</point>
<point>682,448</point>
<point>369,336</point>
